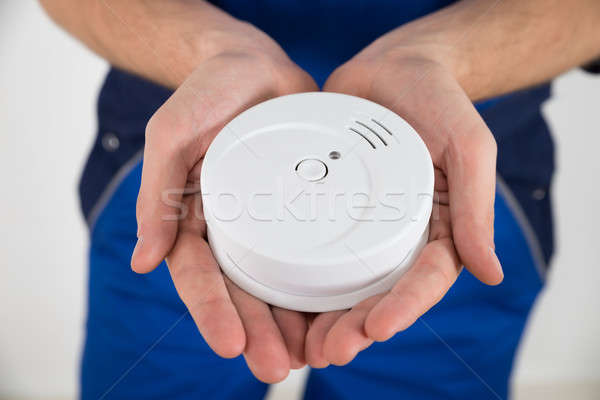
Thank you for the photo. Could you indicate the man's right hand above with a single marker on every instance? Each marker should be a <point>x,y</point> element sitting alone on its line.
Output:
<point>220,67</point>
<point>231,321</point>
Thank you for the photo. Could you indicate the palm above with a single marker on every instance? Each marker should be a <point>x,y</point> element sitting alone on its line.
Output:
<point>231,321</point>
<point>463,153</point>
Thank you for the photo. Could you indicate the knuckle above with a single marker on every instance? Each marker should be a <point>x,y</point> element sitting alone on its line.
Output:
<point>472,144</point>
<point>168,131</point>
<point>408,296</point>
<point>192,276</point>
<point>477,137</point>
<point>210,301</point>
<point>440,278</point>
<point>155,125</point>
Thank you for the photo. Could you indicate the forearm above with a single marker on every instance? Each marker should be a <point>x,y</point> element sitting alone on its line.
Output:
<point>160,40</point>
<point>495,47</point>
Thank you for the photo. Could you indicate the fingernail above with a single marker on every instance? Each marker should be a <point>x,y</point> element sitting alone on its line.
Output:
<point>497,261</point>
<point>136,249</point>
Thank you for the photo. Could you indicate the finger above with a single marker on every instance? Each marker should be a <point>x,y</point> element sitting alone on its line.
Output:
<point>315,338</point>
<point>177,137</point>
<point>470,160</point>
<point>463,147</point>
<point>432,101</point>
<point>265,353</point>
<point>200,285</point>
<point>164,176</point>
<point>434,272</point>
<point>441,184</point>
<point>293,326</point>
<point>440,194</point>
<point>439,224</point>
<point>347,336</point>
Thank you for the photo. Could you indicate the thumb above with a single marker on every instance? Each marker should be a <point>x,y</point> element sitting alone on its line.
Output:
<point>159,205</point>
<point>471,171</point>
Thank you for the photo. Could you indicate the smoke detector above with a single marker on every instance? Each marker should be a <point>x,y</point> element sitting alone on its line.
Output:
<point>316,201</point>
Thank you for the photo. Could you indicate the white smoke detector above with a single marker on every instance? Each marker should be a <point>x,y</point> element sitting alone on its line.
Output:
<point>316,201</point>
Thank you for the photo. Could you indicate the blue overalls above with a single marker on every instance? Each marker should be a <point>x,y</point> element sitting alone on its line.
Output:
<point>140,343</point>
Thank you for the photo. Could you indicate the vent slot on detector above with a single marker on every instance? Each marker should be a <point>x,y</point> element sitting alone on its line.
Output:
<point>373,131</point>
<point>372,134</point>
<point>362,136</point>
<point>382,126</point>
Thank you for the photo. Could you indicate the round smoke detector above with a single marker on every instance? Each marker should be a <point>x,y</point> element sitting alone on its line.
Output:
<point>316,201</point>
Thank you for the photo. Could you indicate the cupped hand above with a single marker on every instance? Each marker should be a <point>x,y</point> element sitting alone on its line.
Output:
<point>170,224</point>
<point>423,91</point>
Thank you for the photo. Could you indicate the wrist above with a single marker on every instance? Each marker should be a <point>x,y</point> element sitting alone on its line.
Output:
<point>444,39</point>
<point>233,38</point>
<point>430,50</point>
<point>242,40</point>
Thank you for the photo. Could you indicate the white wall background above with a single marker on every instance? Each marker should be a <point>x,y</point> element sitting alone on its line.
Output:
<point>48,85</point>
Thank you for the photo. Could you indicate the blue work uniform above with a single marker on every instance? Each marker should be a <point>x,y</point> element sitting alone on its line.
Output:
<point>141,344</point>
